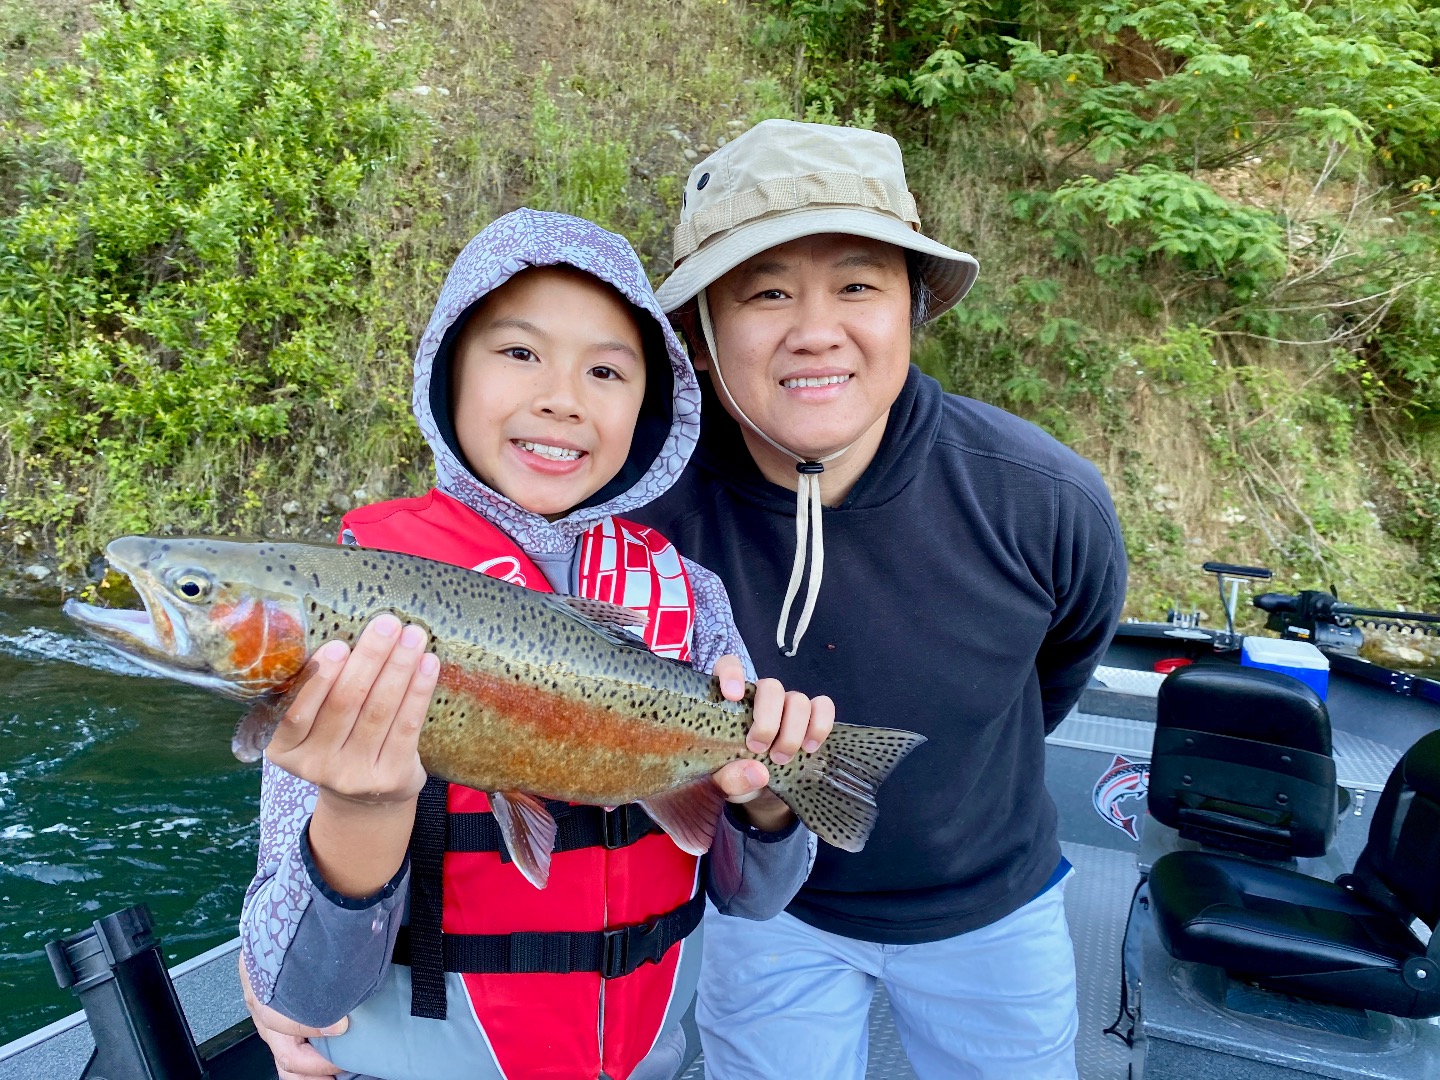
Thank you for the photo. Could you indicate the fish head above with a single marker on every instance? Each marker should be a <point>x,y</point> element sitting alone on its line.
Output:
<point>217,614</point>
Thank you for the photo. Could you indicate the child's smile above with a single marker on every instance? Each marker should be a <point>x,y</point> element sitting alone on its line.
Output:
<point>549,379</point>
<point>548,458</point>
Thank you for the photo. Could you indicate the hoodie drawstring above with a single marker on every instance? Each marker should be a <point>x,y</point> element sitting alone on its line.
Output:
<point>808,516</point>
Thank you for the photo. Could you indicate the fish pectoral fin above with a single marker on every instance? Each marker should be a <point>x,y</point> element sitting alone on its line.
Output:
<point>529,832</point>
<point>689,814</point>
<point>256,727</point>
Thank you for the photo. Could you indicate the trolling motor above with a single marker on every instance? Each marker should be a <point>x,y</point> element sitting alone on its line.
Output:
<point>116,970</point>
<point>1321,619</point>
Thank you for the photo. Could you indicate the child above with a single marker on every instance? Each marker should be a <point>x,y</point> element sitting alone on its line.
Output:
<point>555,396</point>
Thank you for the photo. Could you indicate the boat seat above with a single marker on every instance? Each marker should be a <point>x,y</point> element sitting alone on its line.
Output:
<point>1242,762</point>
<point>1345,943</point>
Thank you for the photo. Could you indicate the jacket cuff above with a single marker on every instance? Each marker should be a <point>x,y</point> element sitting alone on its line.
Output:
<point>350,903</point>
<point>750,832</point>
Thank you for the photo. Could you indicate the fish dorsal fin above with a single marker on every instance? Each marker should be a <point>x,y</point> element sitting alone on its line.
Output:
<point>689,814</point>
<point>606,614</point>
<point>609,621</point>
<point>529,832</point>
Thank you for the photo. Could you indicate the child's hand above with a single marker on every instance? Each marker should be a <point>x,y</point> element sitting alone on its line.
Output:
<point>353,731</point>
<point>785,722</point>
<point>353,728</point>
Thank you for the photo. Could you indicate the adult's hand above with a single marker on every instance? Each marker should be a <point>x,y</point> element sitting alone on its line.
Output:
<point>785,722</point>
<point>295,1058</point>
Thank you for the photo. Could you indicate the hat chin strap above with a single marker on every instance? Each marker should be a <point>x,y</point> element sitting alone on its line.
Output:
<point>809,523</point>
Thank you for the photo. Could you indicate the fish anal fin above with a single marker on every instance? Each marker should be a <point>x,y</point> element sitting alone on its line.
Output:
<point>689,814</point>
<point>529,832</point>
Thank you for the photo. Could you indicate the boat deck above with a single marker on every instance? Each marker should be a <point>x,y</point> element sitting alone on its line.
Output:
<point>1096,900</point>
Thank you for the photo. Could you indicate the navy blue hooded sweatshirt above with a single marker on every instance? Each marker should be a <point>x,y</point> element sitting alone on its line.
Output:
<point>973,578</point>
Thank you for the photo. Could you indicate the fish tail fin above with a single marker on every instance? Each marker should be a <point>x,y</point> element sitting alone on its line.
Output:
<point>833,790</point>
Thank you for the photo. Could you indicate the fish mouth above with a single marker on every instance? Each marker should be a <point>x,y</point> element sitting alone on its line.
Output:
<point>155,637</point>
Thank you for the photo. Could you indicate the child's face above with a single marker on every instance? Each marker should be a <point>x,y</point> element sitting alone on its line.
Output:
<point>549,376</point>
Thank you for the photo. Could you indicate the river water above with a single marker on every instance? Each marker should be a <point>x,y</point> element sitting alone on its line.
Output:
<point>115,787</point>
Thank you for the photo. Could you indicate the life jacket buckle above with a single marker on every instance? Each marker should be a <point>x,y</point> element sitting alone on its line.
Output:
<point>627,947</point>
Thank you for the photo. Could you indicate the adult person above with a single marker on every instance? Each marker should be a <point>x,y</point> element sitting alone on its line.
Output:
<point>960,574</point>
<point>927,561</point>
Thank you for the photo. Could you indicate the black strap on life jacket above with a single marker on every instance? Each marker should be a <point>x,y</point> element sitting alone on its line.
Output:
<point>427,893</point>
<point>575,827</point>
<point>611,953</point>
<point>430,952</point>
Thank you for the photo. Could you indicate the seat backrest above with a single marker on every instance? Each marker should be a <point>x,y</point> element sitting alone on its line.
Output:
<point>1246,703</point>
<point>1403,852</point>
<point>1242,762</point>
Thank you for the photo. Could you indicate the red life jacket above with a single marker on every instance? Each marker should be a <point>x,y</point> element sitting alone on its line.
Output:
<point>577,1024</point>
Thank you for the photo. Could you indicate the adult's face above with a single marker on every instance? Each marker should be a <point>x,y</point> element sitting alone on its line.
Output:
<point>813,339</point>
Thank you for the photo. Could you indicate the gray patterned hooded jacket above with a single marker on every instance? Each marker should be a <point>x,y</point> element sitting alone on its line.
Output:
<point>315,955</point>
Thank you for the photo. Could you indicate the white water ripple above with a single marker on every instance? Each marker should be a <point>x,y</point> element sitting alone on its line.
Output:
<point>36,643</point>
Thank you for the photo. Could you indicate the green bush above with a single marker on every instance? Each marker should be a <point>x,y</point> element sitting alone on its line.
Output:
<point>1192,83</point>
<point>170,272</point>
<point>1158,212</point>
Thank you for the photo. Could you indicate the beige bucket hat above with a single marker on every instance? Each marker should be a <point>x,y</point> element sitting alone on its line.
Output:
<point>782,180</point>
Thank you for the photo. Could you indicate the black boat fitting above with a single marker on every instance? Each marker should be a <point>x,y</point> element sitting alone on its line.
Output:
<point>116,970</point>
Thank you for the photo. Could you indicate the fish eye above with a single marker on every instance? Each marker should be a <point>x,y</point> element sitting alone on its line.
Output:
<point>192,585</point>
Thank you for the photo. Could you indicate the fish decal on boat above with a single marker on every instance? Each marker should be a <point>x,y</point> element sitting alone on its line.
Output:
<point>1123,781</point>
<point>539,695</point>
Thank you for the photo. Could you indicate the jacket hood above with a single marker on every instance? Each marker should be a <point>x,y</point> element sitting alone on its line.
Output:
<point>669,424</point>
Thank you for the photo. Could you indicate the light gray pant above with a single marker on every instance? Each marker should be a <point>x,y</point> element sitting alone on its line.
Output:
<point>783,1000</point>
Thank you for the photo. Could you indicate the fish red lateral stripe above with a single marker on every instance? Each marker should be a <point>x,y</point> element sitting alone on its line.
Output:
<point>542,718</point>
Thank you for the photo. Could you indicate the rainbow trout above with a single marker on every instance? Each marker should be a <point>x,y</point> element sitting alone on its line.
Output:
<point>538,694</point>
